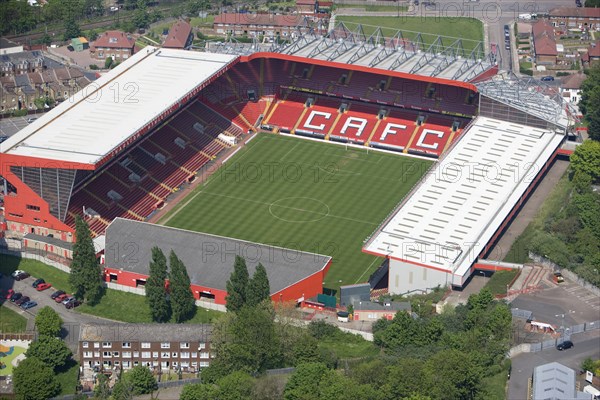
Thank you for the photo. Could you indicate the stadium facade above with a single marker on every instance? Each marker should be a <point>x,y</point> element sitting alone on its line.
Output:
<point>123,146</point>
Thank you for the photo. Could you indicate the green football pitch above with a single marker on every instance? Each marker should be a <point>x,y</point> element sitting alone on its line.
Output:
<point>300,194</point>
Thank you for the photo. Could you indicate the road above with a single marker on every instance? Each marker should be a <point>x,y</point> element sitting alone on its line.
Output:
<point>586,345</point>
<point>72,319</point>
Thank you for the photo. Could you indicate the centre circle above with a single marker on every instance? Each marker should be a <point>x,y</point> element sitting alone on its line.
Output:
<point>299,209</point>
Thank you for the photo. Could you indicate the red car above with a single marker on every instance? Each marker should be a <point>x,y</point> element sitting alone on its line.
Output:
<point>9,294</point>
<point>43,286</point>
<point>59,299</point>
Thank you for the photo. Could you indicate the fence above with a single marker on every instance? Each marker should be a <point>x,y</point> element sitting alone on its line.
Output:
<point>551,343</point>
<point>570,275</point>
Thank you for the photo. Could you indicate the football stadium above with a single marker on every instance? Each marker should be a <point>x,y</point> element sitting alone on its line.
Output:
<point>389,162</point>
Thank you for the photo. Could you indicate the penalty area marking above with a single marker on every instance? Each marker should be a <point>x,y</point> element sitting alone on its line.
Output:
<point>320,215</point>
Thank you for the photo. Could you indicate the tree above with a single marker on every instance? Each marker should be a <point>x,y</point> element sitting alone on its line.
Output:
<point>258,289</point>
<point>452,375</point>
<point>123,389</point>
<point>586,159</point>
<point>304,382</point>
<point>236,386</point>
<point>102,390</point>
<point>246,341</point>
<point>108,62</point>
<point>86,272</point>
<point>141,18</point>
<point>50,350</point>
<point>182,298</point>
<point>72,29</point>
<point>156,289</point>
<point>141,379</point>
<point>48,322</point>
<point>590,98</point>
<point>199,391</point>
<point>236,285</point>
<point>34,380</point>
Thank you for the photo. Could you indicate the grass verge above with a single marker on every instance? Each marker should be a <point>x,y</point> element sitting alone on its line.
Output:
<point>498,281</point>
<point>10,321</point>
<point>67,376</point>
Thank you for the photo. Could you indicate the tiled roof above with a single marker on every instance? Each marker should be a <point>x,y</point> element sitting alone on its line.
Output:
<point>114,40</point>
<point>543,39</point>
<point>581,12</point>
<point>573,81</point>
<point>178,35</point>
<point>258,19</point>
<point>594,51</point>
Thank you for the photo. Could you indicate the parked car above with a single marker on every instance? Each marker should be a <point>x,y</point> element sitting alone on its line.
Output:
<point>16,296</point>
<point>43,286</point>
<point>567,344</point>
<point>21,276</point>
<point>22,300</point>
<point>30,120</point>
<point>37,282</point>
<point>56,294</point>
<point>28,305</point>
<point>507,45</point>
<point>68,299</point>
<point>3,138</point>
<point>558,278</point>
<point>547,78</point>
<point>17,272</point>
<point>73,304</point>
<point>9,294</point>
<point>61,297</point>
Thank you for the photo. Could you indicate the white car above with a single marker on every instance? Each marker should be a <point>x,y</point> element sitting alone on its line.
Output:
<point>525,16</point>
<point>17,272</point>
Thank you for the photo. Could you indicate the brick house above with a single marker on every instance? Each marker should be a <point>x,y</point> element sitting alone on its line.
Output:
<point>544,43</point>
<point>180,36</point>
<point>116,44</point>
<point>575,18</point>
<point>593,54</point>
<point>259,24</point>
<point>160,347</point>
<point>371,311</point>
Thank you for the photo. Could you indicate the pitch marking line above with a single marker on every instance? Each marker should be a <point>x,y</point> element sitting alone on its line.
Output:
<point>288,152</point>
<point>365,271</point>
<point>291,208</point>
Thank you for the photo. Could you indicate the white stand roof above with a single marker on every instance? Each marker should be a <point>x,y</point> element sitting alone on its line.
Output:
<point>96,120</point>
<point>454,212</point>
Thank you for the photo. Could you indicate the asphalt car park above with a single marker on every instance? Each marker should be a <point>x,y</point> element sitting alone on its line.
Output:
<point>10,126</point>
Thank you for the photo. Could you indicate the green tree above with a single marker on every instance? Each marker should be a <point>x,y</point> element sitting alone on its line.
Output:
<point>50,350</point>
<point>123,389</point>
<point>258,289</point>
<point>246,341</point>
<point>304,382</point>
<point>102,390</point>
<point>156,289</point>
<point>452,375</point>
<point>586,159</point>
<point>237,285</point>
<point>404,378</point>
<point>182,298</point>
<point>86,272</point>
<point>236,386</point>
<point>590,98</point>
<point>34,380</point>
<point>141,19</point>
<point>48,322</point>
<point>141,379</point>
<point>108,62</point>
<point>199,391</point>
<point>72,29</point>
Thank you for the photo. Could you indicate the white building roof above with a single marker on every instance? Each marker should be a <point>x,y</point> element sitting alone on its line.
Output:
<point>454,212</point>
<point>107,112</point>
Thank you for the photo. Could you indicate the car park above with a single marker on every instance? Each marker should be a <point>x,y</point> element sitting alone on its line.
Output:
<point>22,300</point>
<point>21,276</point>
<point>37,282</point>
<point>56,294</point>
<point>28,305</point>
<point>43,286</point>
<point>61,297</point>
<point>564,345</point>
<point>73,304</point>
<point>16,296</point>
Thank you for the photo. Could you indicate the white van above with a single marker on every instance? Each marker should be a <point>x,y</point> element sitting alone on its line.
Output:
<point>593,391</point>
